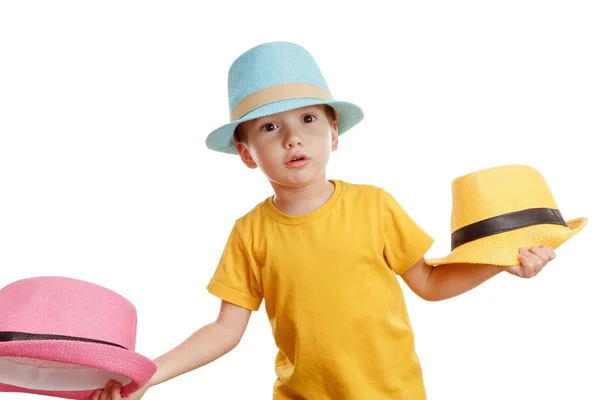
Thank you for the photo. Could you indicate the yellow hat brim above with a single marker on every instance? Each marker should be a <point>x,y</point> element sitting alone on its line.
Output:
<point>503,248</point>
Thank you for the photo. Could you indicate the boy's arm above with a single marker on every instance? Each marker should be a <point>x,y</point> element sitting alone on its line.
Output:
<point>205,345</point>
<point>450,280</point>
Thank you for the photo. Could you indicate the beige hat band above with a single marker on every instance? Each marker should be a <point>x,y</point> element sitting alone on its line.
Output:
<point>271,94</point>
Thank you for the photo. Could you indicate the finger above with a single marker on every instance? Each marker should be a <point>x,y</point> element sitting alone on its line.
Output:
<point>545,253</point>
<point>522,270</point>
<point>550,252</point>
<point>96,395</point>
<point>106,392</point>
<point>536,260</point>
<point>528,262</point>
<point>116,392</point>
<point>537,263</point>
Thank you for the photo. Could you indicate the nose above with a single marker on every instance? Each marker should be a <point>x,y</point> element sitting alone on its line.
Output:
<point>293,139</point>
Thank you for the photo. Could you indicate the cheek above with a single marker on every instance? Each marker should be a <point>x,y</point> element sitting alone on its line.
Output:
<point>263,155</point>
<point>326,142</point>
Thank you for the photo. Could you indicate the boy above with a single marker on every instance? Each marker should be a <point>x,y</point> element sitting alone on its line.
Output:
<point>323,254</point>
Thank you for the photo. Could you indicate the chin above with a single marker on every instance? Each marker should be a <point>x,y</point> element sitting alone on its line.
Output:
<point>300,181</point>
<point>291,183</point>
<point>296,178</point>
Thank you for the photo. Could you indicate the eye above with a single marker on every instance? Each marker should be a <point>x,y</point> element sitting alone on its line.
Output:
<point>309,118</point>
<point>268,127</point>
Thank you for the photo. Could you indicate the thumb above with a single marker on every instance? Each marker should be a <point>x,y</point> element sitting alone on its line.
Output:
<point>514,270</point>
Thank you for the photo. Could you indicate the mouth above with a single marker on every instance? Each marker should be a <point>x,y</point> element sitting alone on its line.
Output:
<point>297,161</point>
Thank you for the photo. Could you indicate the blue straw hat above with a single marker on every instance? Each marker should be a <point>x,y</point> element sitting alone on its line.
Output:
<point>272,78</point>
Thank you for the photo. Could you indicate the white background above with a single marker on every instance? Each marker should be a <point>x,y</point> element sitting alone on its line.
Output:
<point>104,175</point>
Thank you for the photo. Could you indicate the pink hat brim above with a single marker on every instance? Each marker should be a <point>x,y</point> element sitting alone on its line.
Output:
<point>94,355</point>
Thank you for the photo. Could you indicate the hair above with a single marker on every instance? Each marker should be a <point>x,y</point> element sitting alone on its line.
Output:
<point>240,136</point>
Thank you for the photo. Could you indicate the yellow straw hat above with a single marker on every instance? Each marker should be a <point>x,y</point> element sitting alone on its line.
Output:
<point>497,210</point>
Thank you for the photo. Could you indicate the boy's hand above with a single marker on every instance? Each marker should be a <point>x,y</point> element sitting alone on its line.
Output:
<point>112,391</point>
<point>532,261</point>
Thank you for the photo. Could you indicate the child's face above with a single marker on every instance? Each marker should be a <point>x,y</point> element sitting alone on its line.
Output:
<point>292,148</point>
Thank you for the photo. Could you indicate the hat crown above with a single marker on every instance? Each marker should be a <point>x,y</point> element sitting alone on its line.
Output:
<point>495,191</point>
<point>271,64</point>
<point>69,307</point>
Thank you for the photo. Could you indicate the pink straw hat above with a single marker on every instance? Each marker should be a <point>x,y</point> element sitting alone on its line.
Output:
<point>65,338</point>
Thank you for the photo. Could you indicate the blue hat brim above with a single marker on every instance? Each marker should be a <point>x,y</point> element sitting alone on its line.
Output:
<point>221,139</point>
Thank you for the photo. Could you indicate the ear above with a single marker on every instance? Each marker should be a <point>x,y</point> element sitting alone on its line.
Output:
<point>334,136</point>
<point>244,153</point>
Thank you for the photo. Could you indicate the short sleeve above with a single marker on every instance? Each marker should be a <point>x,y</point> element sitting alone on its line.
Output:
<point>236,278</point>
<point>405,242</point>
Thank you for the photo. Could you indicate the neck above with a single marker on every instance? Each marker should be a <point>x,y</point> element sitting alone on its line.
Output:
<point>303,199</point>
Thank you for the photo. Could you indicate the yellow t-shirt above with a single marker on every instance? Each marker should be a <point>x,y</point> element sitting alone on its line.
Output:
<point>328,280</point>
